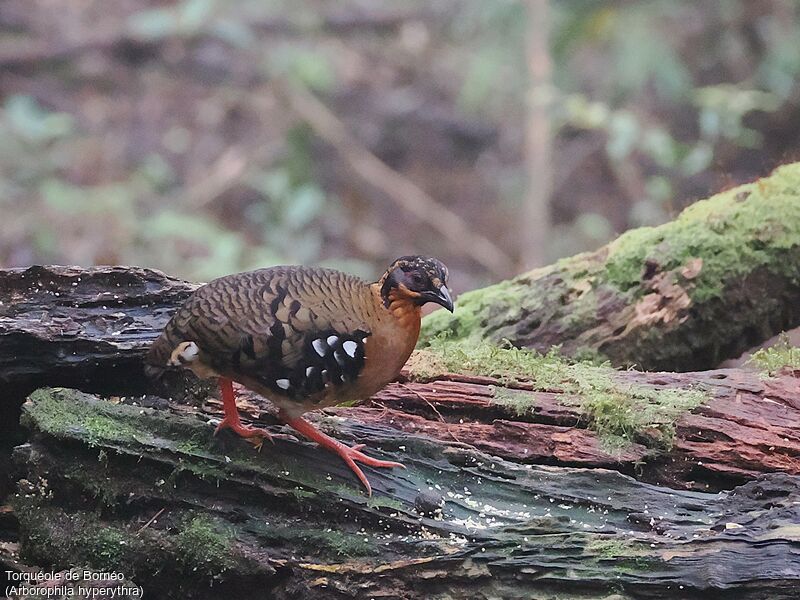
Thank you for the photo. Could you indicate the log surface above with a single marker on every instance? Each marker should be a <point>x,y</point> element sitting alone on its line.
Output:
<point>494,502</point>
<point>459,522</point>
<point>81,327</point>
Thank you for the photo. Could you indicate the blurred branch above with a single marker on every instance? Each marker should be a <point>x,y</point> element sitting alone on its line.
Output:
<point>17,52</point>
<point>227,171</point>
<point>536,221</point>
<point>401,190</point>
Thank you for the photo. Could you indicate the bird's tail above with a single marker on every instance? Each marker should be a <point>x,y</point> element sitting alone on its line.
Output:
<point>157,358</point>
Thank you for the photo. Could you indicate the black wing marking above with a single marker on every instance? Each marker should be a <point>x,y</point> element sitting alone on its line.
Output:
<point>328,358</point>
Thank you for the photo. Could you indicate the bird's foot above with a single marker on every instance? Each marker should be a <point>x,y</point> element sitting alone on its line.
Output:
<point>349,455</point>
<point>253,435</point>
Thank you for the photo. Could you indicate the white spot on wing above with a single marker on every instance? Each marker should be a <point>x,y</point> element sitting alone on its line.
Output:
<point>282,383</point>
<point>350,347</point>
<point>309,371</point>
<point>320,347</point>
<point>332,340</point>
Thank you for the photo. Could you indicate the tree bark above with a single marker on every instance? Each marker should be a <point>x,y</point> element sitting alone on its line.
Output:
<point>151,493</point>
<point>721,278</point>
<point>85,328</point>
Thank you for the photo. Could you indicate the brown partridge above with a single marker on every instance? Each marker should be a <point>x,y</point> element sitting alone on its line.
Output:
<point>305,338</point>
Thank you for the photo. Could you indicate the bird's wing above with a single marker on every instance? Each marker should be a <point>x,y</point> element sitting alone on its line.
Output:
<point>293,330</point>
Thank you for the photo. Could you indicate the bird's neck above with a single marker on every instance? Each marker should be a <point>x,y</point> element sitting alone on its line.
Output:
<point>406,311</point>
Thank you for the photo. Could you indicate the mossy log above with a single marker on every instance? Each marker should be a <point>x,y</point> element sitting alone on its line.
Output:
<point>721,278</point>
<point>510,492</point>
<point>142,487</point>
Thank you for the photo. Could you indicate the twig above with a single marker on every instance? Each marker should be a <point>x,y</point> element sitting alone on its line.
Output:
<point>226,172</point>
<point>428,402</point>
<point>536,215</point>
<point>150,522</point>
<point>401,190</point>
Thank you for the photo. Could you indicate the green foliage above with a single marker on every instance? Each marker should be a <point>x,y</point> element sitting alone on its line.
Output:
<point>97,172</point>
<point>184,18</point>
<point>645,67</point>
<point>32,123</point>
<point>775,358</point>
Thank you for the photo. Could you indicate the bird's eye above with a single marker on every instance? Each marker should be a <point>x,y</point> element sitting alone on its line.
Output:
<point>416,278</point>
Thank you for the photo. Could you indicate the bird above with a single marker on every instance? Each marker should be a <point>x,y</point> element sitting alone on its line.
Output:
<point>305,338</point>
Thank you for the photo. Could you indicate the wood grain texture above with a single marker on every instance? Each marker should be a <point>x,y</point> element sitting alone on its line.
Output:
<point>526,506</point>
<point>83,327</point>
<point>460,522</point>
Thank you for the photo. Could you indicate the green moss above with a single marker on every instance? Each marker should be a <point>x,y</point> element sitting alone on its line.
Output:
<point>626,556</point>
<point>471,313</point>
<point>782,355</point>
<point>317,542</point>
<point>51,411</point>
<point>619,412</point>
<point>69,414</point>
<point>102,427</point>
<point>52,537</point>
<point>107,547</point>
<point>481,358</point>
<point>386,502</point>
<point>94,480</point>
<point>735,233</point>
<point>205,544</point>
<point>611,547</point>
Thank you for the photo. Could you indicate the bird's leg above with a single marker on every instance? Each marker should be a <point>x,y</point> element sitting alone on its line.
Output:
<point>349,455</point>
<point>231,419</point>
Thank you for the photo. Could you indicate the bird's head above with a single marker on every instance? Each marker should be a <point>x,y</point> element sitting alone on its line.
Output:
<point>420,279</point>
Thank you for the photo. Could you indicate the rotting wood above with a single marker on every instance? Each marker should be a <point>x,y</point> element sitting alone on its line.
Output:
<point>457,523</point>
<point>108,484</point>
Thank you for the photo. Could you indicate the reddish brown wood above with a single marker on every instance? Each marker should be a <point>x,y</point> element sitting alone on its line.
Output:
<point>747,428</point>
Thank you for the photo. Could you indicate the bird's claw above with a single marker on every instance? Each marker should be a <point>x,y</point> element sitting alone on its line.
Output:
<point>252,435</point>
<point>351,455</point>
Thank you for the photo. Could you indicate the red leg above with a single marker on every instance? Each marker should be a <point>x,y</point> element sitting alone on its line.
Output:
<point>349,455</point>
<point>231,419</point>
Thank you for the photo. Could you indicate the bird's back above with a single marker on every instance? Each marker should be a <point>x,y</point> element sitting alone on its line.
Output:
<point>297,334</point>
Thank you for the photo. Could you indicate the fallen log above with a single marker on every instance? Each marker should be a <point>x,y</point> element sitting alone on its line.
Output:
<point>528,476</point>
<point>149,492</point>
<point>718,280</point>
<point>88,329</point>
<point>85,328</point>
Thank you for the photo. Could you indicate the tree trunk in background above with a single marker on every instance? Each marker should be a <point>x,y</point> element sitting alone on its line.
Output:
<point>720,279</point>
<point>535,226</point>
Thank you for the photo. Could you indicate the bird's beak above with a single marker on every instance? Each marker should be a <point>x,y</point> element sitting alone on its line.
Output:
<point>443,297</point>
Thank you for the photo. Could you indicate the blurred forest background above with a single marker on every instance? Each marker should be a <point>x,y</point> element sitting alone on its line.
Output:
<point>204,137</point>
